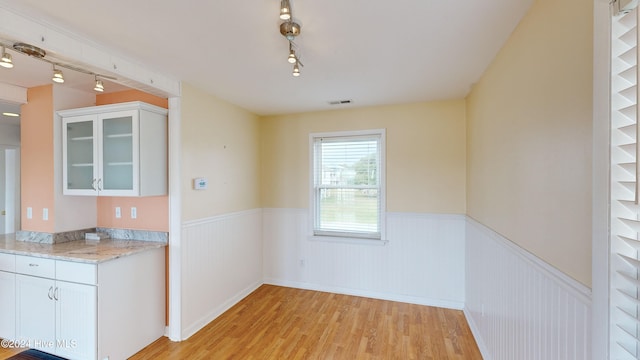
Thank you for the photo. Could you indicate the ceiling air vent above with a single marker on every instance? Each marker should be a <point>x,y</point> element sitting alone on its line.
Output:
<point>340,102</point>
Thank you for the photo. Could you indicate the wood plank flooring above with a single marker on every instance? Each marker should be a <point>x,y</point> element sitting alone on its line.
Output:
<point>6,352</point>
<point>283,323</point>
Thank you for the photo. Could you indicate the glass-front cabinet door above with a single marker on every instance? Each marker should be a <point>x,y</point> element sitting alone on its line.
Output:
<point>115,150</point>
<point>80,159</point>
<point>119,153</point>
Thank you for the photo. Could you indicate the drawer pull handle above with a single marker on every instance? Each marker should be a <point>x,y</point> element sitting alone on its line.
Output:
<point>50,294</point>
<point>55,294</point>
<point>32,265</point>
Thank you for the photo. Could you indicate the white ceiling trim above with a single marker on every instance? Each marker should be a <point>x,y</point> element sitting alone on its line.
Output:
<point>13,93</point>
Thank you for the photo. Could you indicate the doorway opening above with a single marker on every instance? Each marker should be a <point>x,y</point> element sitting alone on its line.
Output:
<point>9,190</point>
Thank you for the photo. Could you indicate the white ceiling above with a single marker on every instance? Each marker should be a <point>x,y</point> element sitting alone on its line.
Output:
<point>373,52</point>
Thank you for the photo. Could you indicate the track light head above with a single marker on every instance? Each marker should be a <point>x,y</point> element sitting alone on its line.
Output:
<point>6,60</point>
<point>99,86</point>
<point>57,76</point>
<point>296,70</point>
<point>285,10</point>
<point>292,57</point>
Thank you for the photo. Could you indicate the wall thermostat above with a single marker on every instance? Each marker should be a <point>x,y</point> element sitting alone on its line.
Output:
<point>199,183</point>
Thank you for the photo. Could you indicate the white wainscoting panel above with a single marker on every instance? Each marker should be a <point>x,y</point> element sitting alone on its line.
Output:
<point>518,306</point>
<point>422,263</point>
<point>221,264</point>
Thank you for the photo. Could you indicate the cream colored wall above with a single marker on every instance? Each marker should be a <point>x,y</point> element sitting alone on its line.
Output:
<point>219,142</point>
<point>529,137</point>
<point>425,154</point>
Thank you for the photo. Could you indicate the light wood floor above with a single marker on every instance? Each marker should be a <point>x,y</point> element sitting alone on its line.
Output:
<point>284,323</point>
<point>7,352</point>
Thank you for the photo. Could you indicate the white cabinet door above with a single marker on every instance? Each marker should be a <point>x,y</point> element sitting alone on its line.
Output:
<point>36,312</point>
<point>115,150</point>
<point>80,155</point>
<point>119,153</point>
<point>76,320</point>
<point>7,305</point>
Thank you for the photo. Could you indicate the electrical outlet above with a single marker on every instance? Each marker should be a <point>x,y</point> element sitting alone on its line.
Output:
<point>45,214</point>
<point>29,213</point>
<point>134,213</point>
<point>118,212</point>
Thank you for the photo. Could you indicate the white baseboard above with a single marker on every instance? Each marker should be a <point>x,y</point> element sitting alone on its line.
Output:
<point>484,351</point>
<point>456,305</point>
<point>219,310</point>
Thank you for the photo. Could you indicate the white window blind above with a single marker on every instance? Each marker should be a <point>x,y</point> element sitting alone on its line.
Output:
<point>348,184</point>
<point>625,211</point>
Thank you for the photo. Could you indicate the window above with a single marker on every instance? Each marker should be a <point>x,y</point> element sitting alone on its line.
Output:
<point>348,198</point>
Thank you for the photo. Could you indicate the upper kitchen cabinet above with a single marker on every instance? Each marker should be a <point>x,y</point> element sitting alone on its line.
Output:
<point>115,150</point>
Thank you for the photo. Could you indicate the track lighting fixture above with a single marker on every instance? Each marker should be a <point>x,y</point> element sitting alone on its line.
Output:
<point>296,70</point>
<point>6,60</point>
<point>57,75</point>
<point>99,86</point>
<point>285,10</point>
<point>292,55</point>
<point>39,54</point>
<point>290,29</point>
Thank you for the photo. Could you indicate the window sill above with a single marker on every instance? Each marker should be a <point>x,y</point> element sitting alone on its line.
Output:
<point>348,240</point>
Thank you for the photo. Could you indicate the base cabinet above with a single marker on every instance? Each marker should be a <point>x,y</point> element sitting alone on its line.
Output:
<point>56,316</point>
<point>35,312</point>
<point>7,305</point>
<point>81,311</point>
<point>76,320</point>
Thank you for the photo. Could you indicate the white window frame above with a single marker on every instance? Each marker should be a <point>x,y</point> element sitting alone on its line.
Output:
<point>348,237</point>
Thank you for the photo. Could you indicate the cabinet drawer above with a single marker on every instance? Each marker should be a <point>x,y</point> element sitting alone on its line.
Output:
<point>76,272</point>
<point>35,266</point>
<point>7,262</point>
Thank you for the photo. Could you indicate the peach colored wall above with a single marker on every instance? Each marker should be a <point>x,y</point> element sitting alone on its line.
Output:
<point>153,212</point>
<point>529,122</point>
<point>37,171</point>
<point>131,95</point>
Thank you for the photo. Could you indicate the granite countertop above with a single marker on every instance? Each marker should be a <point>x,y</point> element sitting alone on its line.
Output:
<point>79,250</point>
